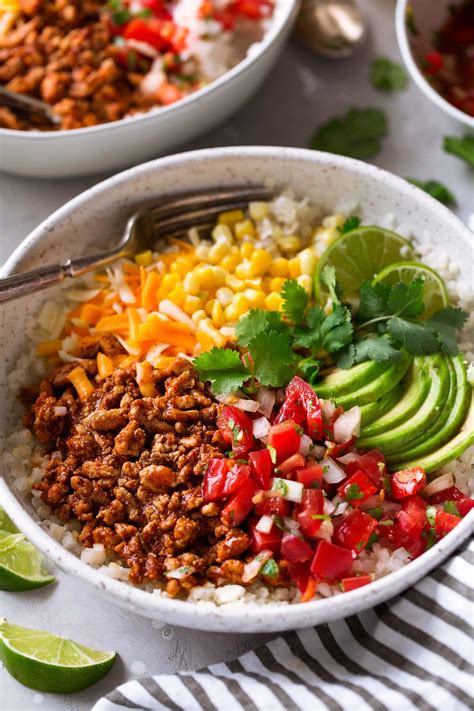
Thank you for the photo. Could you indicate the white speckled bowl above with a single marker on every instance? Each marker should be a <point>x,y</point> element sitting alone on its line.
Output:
<point>98,214</point>
<point>429,15</point>
<point>118,144</point>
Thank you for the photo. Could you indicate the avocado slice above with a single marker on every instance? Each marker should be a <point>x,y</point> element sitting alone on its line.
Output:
<point>378,408</point>
<point>449,451</point>
<point>393,439</point>
<point>381,385</point>
<point>416,383</point>
<point>450,419</point>
<point>342,382</point>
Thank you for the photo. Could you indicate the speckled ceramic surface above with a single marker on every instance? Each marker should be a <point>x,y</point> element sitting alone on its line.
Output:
<point>118,144</point>
<point>331,183</point>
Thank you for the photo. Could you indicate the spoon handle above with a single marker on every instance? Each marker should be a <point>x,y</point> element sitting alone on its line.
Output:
<point>27,104</point>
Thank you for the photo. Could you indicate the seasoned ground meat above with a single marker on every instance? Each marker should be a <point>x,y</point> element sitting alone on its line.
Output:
<point>130,469</point>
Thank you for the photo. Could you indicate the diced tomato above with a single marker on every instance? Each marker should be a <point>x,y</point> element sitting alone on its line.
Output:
<point>357,489</point>
<point>265,541</point>
<point>463,502</point>
<point>214,479</point>
<point>157,8</point>
<point>262,467</point>
<point>331,561</point>
<point>235,478</point>
<point>236,429</point>
<point>274,505</point>
<point>292,409</point>
<point>412,517</point>
<point>240,505</point>
<point>295,549</point>
<point>338,450</point>
<point>169,93</point>
<point>312,504</point>
<point>148,30</point>
<point>294,462</point>
<point>311,476</point>
<point>309,591</point>
<point>433,62</point>
<point>226,18</point>
<point>253,9</point>
<point>407,482</point>
<point>357,581</point>
<point>300,392</point>
<point>398,539</point>
<point>445,522</point>
<point>354,530</point>
<point>285,439</point>
<point>372,463</point>
<point>300,574</point>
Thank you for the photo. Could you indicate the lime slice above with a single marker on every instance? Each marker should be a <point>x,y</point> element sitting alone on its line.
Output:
<point>21,564</point>
<point>435,294</point>
<point>6,524</point>
<point>360,254</point>
<point>49,663</point>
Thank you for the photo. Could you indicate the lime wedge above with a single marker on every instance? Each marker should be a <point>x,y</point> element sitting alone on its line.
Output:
<point>6,524</point>
<point>21,564</point>
<point>435,294</point>
<point>49,663</point>
<point>360,254</point>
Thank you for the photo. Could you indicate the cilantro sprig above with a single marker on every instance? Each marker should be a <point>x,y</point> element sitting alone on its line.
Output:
<point>358,134</point>
<point>436,189</point>
<point>387,75</point>
<point>460,146</point>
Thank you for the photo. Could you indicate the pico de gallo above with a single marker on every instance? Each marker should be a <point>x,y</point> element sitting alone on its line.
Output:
<point>311,502</point>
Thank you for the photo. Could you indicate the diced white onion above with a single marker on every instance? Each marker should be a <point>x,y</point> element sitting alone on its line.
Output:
<point>347,425</point>
<point>326,530</point>
<point>117,282</point>
<point>155,352</point>
<point>252,569</point>
<point>333,473</point>
<point>81,294</point>
<point>329,507</point>
<point>445,481</point>
<point>340,508</point>
<point>348,458</point>
<point>294,489</point>
<point>328,408</point>
<point>176,313</point>
<point>180,573</point>
<point>245,405</point>
<point>131,350</point>
<point>266,398</point>
<point>265,524</point>
<point>306,444</point>
<point>318,452</point>
<point>67,357</point>
<point>260,427</point>
<point>60,411</point>
<point>291,525</point>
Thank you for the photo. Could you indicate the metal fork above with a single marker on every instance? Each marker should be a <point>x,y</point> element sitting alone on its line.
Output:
<point>162,219</point>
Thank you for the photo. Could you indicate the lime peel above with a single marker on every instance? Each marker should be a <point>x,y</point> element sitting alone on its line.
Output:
<point>21,564</point>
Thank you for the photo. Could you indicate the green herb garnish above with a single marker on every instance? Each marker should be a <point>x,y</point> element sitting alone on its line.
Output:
<point>353,493</point>
<point>358,134</point>
<point>270,569</point>
<point>350,223</point>
<point>280,487</point>
<point>436,189</point>
<point>387,75</point>
<point>451,508</point>
<point>462,147</point>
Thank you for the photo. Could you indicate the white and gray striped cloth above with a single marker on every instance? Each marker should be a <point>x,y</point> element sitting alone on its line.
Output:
<point>414,653</point>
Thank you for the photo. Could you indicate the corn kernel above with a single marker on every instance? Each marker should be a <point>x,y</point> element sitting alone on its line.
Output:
<point>177,295</point>
<point>258,210</point>
<point>192,283</point>
<point>306,282</point>
<point>218,251</point>
<point>191,304</point>
<point>246,249</point>
<point>273,302</point>
<point>144,259</point>
<point>254,283</point>
<point>168,282</point>
<point>241,304</point>
<point>243,229</point>
<point>255,297</point>
<point>308,261</point>
<point>229,263</point>
<point>206,276</point>
<point>243,270</point>
<point>230,217</point>
<point>230,313</point>
<point>224,295</point>
<point>279,267</point>
<point>233,283</point>
<point>222,233</point>
<point>198,316</point>
<point>181,266</point>
<point>206,326</point>
<point>259,262</point>
<point>202,251</point>
<point>205,341</point>
<point>294,267</point>
<point>266,284</point>
<point>334,221</point>
<point>289,244</point>
<point>217,314</point>
<point>277,283</point>
<point>218,276</point>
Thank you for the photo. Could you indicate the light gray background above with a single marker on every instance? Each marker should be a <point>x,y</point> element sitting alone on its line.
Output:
<point>302,92</point>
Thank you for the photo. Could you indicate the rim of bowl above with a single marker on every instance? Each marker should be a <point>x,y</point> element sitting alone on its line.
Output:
<point>220,617</point>
<point>417,75</point>
<point>286,12</point>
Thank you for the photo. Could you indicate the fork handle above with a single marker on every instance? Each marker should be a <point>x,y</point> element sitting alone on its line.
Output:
<point>19,285</point>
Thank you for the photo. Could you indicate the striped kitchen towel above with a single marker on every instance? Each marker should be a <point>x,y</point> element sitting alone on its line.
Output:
<point>414,653</point>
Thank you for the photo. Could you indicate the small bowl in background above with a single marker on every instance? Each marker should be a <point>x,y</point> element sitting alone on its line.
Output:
<point>427,17</point>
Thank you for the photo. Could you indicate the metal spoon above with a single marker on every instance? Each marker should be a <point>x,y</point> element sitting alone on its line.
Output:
<point>28,105</point>
<point>333,28</point>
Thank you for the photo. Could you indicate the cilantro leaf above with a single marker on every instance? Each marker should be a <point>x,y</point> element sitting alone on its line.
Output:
<point>387,75</point>
<point>346,357</point>
<point>357,134</point>
<point>375,348</point>
<point>270,569</point>
<point>451,508</point>
<point>309,369</point>
<point>373,301</point>
<point>417,338</point>
<point>336,329</point>
<point>328,278</point>
<point>445,322</point>
<point>273,358</point>
<point>257,321</point>
<point>462,147</point>
<point>435,189</point>
<point>353,493</point>
<point>223,368</point>
<point>406,300</point>
<point>295,301</point>
<point>350,223</point>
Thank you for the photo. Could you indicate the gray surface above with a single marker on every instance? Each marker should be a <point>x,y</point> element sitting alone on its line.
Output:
<point>301,93</point>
